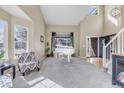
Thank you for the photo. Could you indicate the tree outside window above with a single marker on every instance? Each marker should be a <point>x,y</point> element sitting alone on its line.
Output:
<point>3,26</point>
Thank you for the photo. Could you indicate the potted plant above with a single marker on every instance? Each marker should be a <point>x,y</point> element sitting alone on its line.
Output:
<point>48,52</point>
<point>1,60</point>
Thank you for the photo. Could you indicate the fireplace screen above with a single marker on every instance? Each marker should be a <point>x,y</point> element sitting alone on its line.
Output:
<point>120,72</point>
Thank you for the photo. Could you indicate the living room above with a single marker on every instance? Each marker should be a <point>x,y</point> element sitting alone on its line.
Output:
<point>37,32</point>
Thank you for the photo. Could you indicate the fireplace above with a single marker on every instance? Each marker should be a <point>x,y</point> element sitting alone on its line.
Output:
<point>118,70</point>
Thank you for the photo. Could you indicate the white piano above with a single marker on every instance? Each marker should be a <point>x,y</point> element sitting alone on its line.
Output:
<point>64,50</point>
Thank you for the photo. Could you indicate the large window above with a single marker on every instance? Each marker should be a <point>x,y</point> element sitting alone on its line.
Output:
<point>20,40</point>
<point>62,39</point>
<point>3,39</point>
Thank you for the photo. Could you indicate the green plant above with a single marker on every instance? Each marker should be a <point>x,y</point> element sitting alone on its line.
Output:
<point>2,54</point>
<point>47,50</point>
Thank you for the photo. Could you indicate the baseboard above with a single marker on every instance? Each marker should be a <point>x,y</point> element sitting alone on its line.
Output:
<point>42,59</point>
<point>82,57</point>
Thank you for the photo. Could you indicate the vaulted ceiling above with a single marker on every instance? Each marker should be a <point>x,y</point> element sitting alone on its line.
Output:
<point>64,14</point>
<point>15,11</point>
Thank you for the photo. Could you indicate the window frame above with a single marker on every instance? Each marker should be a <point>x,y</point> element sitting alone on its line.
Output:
<point>27,45</point>
<point>94,11</point>
<point>5,39</point>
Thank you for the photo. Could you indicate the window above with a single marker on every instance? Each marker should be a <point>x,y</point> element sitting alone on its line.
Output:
<point>20,40</point>
<point>94,10</point>
<point>63,39</point>
<point>3,39</point>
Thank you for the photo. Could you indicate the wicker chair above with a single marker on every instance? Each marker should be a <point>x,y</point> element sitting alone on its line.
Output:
<point>27,61</point>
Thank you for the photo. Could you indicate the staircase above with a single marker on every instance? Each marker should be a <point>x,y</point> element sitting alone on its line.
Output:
<point>114,46</point>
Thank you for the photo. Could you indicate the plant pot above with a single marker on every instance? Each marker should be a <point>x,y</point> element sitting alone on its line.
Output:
<point>47,55</point>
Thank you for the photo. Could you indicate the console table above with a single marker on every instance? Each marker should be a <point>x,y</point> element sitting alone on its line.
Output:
<point>6,67</point>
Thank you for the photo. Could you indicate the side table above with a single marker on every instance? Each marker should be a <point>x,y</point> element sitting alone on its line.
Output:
<point>7,66</point>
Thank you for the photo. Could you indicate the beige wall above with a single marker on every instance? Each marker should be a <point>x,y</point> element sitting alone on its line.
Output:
<point>122,18</point>
<point>63,29</point>
<point>5,16</point>
<point>36,28</point>
<point>101,25</point>
<point>12,21</point>
<point>90,26</point>
<point>111,25</point>
<point>34,12</point>
<point>21,22</point>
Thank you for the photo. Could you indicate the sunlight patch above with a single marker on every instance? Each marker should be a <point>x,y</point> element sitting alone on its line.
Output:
<point>113,20</point>
<point>35,80</point>
<point>44,83</point>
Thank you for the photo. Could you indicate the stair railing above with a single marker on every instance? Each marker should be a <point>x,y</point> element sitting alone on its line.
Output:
<point>114,46</point>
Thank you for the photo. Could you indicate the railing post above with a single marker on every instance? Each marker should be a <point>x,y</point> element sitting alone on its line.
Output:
<point>98,47</point>
<point>87,46</point>
<point>118,43</point>
<point>104,54</point>
<point>122,43</point>
<point>90,46</point>
<point>115,45</point>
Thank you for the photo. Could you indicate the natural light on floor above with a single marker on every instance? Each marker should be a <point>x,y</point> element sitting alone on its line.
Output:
<point>43,82</point>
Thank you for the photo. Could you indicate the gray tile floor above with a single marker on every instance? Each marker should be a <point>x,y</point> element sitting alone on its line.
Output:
<point>77,74</point>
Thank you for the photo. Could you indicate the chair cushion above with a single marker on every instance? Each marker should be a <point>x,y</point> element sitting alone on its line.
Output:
<point>5,81</point>
<point>27,61</point>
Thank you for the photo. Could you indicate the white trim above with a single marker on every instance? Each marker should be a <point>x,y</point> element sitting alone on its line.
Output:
<point>5,39</point>
<point>119,47</point>
<point>88,45</point>
<point>98,46</point>
<point>27,46</point>
<point>115,37</point>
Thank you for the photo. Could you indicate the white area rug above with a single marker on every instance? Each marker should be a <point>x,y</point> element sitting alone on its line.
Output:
<point>46,83</point>
<point>35,80</point>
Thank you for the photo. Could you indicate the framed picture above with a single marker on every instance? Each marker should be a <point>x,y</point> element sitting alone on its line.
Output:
<point>41,38</point>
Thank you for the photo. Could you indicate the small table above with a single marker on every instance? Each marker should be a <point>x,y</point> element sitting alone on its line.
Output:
<point>7,66</point>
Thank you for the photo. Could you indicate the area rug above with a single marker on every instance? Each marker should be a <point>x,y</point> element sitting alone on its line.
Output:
<point>46,83</point>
